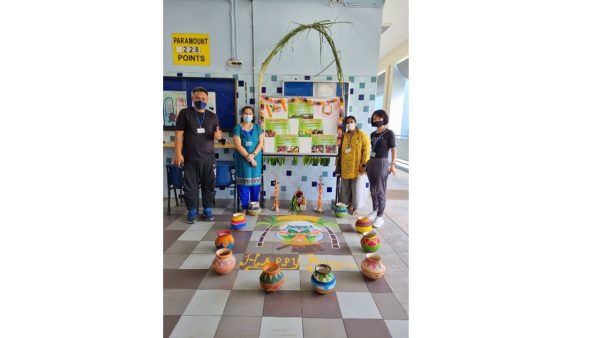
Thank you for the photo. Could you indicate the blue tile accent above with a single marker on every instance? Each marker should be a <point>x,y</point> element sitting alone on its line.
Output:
<point>329,189</point>
<point>333,174</point>
<point>351,90</point>
<point>179,74</point>
<point>221,188</point>
<point>231,192</point>
<point>361,97</point>
<point>288,173</point>
<point>263,90</point>
<point>264,167</point>
<point>241,83</point>
<point>314,184</point>
<point>279,90</point>
<point>273,77</point>
<point>365,109</point>
<point>306,77</point>
<point>361,85</point>
<point>351,107</point>
<point>226,151</point>
<point>368,120</point>
<point>359,125</point>
<point>304,178</point>
<point>372,97</point>
<point>216,155</point>
<point>168,160</point>
<point>324,174</point>
<point>351,78</point>
<point>283,188</point>
<point>329,78</point>
<point>367,184</point>
<point>374,79</point>
<point>251,101</point>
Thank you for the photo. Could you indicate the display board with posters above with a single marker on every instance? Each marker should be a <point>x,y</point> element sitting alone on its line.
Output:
<point>301,125</point>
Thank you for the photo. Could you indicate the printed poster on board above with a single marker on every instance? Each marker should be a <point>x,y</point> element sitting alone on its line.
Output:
<point>275,127</point>
<point>173,103</point>
<point>324,144</point>
<point>310,127</point>
<point>287,144</point>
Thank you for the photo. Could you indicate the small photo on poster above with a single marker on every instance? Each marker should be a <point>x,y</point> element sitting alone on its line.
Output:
<point>287,144</point>
<point>300,109</point>
<point>324,144</point>
<point>310,127</point>
<point>276,127</point>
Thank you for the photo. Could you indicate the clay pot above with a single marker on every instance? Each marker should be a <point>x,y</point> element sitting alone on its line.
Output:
<point>370,242</point>
<point>224,240</point>
<point>271,279</point>
<point>340,210</point>
<point>323,280</point>
<point>372,266</point>
<point>254,209</point>
<point>363,224</point>
<point>238,221</point>
<point>224,261</point>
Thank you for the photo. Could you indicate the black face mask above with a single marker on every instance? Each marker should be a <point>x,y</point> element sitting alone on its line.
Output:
<point>377,124</point>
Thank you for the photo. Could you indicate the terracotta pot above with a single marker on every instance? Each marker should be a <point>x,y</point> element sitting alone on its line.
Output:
<point>370,242</point>
<point>323,280</point>
<point>224,261</point>
<point>271,279</point>
<point>340,210</point>
<point>237,217</point>
<point>363,224</point>
<point>372,266</point>
<point>224,240</point>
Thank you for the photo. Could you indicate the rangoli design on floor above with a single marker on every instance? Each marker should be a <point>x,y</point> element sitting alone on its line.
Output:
<point>302,232</point>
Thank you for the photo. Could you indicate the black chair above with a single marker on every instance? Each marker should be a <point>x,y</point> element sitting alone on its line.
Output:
<point>174,182</point>
<point>225,178</point>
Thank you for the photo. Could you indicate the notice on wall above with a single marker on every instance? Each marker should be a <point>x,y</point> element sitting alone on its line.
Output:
<point>276,127</point>
<point>191,49</point>
<point>310,127</point>
<point>173,103</point>
<point>287,144</point>
<point>324,144</point>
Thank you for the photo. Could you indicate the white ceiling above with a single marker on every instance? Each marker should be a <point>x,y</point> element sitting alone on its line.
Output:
<point>396,13</point>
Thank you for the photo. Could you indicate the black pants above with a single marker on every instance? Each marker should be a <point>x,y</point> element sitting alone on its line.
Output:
<point>377,171</point>
<point>199,172</point>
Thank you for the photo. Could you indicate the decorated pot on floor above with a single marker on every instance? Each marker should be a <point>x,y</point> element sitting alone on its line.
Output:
<point>254,209</point>
<point>238,221</point>
<point>363,224</point>
<point>370,242</point>
<point>340,210</point>
<point>372,266</point>
<point>323,280</point>
<point>224,240</point>
<point>271,279</point>
<point>224,261</point>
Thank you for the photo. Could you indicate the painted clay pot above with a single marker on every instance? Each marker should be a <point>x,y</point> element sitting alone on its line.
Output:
<point>238,221</point>
<point>323,280</point>
<point>372,266</point>
<point>271,279</point>
<point>254,209</point>
<point>224,240</point>
<point>363,224</point>
<point>370,242</point>
<point>340,210</point>
<point>224,261</point>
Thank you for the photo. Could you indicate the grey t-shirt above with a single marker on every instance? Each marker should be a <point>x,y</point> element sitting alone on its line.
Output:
<point>197,145</point>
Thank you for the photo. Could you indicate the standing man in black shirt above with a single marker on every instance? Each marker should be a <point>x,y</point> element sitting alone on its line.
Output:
<point>378,168</point>
<point>196,131</point>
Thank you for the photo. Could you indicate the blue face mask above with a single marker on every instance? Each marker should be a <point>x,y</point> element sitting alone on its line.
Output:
<point>247,118</point>
<point>200,104</point>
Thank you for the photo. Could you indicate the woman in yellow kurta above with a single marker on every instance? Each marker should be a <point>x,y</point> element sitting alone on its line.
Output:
<point>351,164</point>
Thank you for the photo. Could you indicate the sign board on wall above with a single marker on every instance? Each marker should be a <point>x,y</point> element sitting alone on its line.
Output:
<point>191,49</point>
<point>301,125</point>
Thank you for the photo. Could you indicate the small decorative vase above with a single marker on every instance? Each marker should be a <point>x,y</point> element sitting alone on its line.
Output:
<point>372,266</point>
<point>370,242</point>
<point>254,209</point>
<point>271,279</point>
<point>224,240</point>
<point>340,210</point>
<point>363,224</point>
<point>238,221</point>
<point>323,280</point>
<point>224,261</point>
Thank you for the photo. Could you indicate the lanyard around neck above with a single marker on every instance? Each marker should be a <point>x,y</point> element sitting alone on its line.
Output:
<point>198,120</point>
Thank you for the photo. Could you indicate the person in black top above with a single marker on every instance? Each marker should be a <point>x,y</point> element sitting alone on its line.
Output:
<point>196,130</point>
<point>378,168</point>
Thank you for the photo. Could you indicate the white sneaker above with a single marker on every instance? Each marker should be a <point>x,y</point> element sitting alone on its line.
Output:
<point>378,222</point>
<point>372,215</point>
